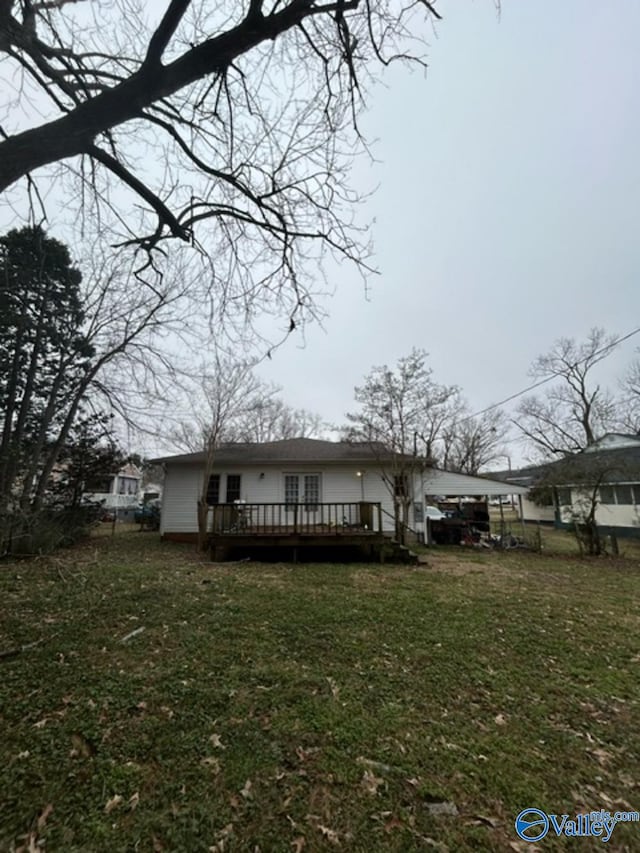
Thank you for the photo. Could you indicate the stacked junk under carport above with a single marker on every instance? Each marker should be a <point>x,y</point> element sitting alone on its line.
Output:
<point>456,511</point>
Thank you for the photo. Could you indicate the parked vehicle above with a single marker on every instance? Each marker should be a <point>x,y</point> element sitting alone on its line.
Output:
<point>434,513</point>
<point>148,515</point>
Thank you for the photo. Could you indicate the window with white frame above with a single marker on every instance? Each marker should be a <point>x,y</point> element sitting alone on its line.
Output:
<point>127,485</point>
<point>302,489</point>
<point>311,492</point>
<point>624,494</point>
<point>291,490</point>
<point>607,495</point>
<point>233,487</point>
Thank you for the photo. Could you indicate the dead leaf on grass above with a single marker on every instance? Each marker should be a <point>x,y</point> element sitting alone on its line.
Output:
<point>370,782</point>
<point>212,763</point>
<point>158,844</point>
<point>393,823</point>
<point>220,845</point>
<point>335,690</point>
<point>298,844</point>
<point>524,847</point>
<point>82,746</point>
<point>601,755</point>
<point>134,799</point>
<point>31,846</point>
<point>45,815</point>
<point>306,754</point>
<point>216,742</point>
<point>113,803</point>
<point>377,765</point>
<point>500,720</point>
<point>484,820</point>
<point>330,834</point>
<point>246,791</point>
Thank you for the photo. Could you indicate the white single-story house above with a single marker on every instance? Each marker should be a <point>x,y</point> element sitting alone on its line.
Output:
<point>297,472</point>
<point>301,474</point>
<point>609,470</point>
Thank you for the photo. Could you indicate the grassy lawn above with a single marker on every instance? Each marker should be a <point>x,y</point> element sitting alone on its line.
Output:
<point>300,708</point>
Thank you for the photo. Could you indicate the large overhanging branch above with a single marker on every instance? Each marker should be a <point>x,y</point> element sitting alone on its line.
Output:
<point>98,93</point>
<point>74,133</point>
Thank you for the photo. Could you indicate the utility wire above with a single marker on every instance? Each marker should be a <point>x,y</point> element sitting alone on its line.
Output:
<point>535,385</point>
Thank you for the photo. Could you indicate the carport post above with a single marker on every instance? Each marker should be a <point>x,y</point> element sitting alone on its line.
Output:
<point>521,510</point>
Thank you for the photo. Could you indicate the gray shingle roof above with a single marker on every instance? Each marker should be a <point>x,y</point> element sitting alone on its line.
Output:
<point>288,450</point>
<point>618,465</point>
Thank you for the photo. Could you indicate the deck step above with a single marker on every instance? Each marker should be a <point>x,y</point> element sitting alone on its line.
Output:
<point>398,553</point>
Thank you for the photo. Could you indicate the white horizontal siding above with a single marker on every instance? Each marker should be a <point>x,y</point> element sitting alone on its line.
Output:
<point>619,515</point>
<point>180,499</point>
<point>533,512</point>
<point>265,484</point>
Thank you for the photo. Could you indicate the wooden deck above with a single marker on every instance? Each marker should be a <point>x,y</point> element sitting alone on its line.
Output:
<point>297,530</point>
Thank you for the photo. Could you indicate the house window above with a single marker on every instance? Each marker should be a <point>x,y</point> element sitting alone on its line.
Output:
<point>233,488</point>
<point>418,512</point>
<point>127,485</point>
<point>400,486</point>
<point>311,492</point>
<point>291,490</point>
<point>302,488</point>
<point>607,495</point>
<point>213,490</point>
<point>564,496</point>
<point>624,495</point>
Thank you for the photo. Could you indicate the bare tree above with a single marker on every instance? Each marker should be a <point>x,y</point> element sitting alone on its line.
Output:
<point>396,407</point>
<point>630,405</point>
<point>269,418</point>
<point>229,127</point>
<point>218,396</point>
<point>574,410</point>
<point>471,443</point>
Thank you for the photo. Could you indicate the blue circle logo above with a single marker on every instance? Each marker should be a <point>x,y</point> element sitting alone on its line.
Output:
<point>532,825</point>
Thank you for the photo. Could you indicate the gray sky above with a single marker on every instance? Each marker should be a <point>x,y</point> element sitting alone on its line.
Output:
<point>508,206</point>
<point>508,201</point>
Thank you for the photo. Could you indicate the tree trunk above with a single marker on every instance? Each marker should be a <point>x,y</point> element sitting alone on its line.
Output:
<point>203,515</point>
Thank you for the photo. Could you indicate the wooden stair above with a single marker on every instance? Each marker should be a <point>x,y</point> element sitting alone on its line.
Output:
<point>395,552</point>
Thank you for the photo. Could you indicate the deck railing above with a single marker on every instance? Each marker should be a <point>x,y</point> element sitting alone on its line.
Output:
<point>264,519</point>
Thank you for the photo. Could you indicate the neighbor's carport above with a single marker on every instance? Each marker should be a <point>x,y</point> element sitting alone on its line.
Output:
<point>449,484</point>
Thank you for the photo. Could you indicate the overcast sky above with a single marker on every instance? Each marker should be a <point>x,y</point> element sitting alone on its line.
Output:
<point>508,208</point>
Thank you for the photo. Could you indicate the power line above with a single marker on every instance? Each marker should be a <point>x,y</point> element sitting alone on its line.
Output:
<point>535,385</point>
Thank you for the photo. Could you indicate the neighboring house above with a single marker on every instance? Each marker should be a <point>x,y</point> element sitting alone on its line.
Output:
<point>608,472</point>
<point>543,509</point>
<point>298,473</point>
<point>119,492</point>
